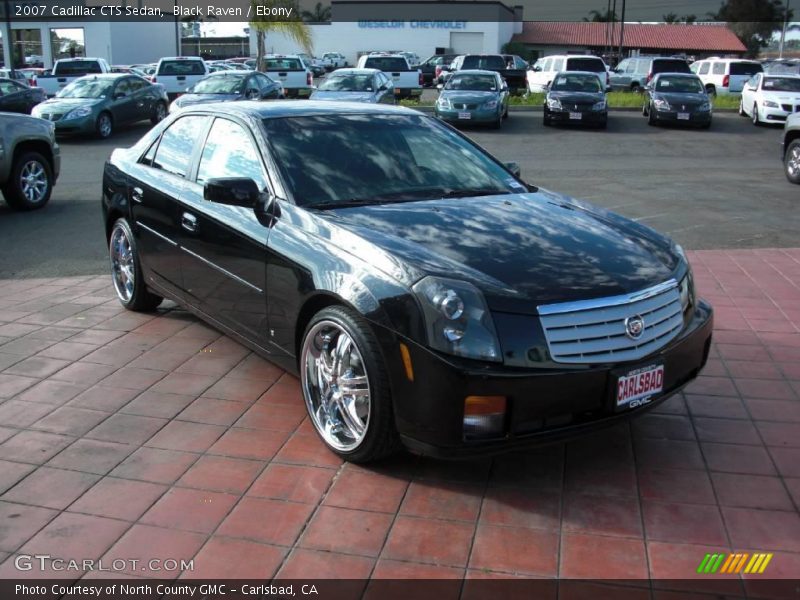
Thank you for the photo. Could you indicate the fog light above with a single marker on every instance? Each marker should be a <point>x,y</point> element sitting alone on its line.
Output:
<point>484,417</point>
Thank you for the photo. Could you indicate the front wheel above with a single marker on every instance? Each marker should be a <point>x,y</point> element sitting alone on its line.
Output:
<point>104,126</point>
<point>651,117</point>
<point>755,118</point>
<point>126,270</point>
<point>30,183</point>
<point>791,162</point>
<point>346,386</point>
<point>741,108</point>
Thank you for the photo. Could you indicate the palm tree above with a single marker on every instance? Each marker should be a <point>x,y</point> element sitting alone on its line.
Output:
<point>292,27</point>
<point>320,14</point>
<point>595,16</point>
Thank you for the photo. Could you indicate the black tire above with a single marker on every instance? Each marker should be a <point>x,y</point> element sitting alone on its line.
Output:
<point>17,193</point>
<point>160,113</point>
<point>706,125</point>
<point>141,299</point>
<point>644,110</point>
<point>505,114</point>
<point>711,91</point>
<point>792,172</point>
<point>741,109</point>
<point>636,88</point>
<point>381,438</point>
<point>651,117</point>
<point>754,117</point>
<point>498,122</point>
<point>104,126</point>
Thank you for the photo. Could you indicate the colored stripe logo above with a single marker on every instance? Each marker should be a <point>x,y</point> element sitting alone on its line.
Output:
<point>739,562</point>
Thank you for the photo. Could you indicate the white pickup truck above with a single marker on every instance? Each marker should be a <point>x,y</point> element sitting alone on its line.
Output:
<point>296,78</point>
<point>407,81</point>
<point>177,74</point>
<point>67,70</point>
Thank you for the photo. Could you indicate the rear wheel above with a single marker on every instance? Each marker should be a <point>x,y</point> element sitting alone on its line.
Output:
<point>741,108</point>
<point>791,162</point>
<point>755,117</point>
<point>346,386</point>
<point>126,270</point>
<point>636,88</point>
<point>711,91</point>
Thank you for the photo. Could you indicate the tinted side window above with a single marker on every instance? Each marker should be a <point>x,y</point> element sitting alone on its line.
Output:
<point>704,68</point>
<point>10,87</point>
<point>138,84</point>
<point>744,68</point>
<point>718,68</point>
<point>586,64</point>
<point>177,142</point>
<point>642,66</point>
<point>671,66</point>
<point>181,67</point>
<point>547,64</point>
<point>386,63</point>
<point>229,152</point>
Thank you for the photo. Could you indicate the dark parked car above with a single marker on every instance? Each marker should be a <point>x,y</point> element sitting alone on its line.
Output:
<point>432,68</point>
<point>677,98</point>
<point>576,97</point>
<point>30,160</point>
<point>423,292</point>
<point>97,104</point>
<point>18,98</point>
<point>227,86</point>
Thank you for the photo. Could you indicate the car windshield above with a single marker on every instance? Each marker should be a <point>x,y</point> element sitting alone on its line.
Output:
<point>283,64</point>
<point>781,84</point>
<point>340,160</point>
<point>490,63</point>
<point>181,67</point>
<point>347,83</point>
<point>87,88</point>
<point>386,63</point>
<point>569,82</point>
<point>77,67</point>
<point>679,85</point>
<point>222,84</point>
<point>477,83</point>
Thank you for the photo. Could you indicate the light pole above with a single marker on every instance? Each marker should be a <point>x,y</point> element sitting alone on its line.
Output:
<point>783,30</point>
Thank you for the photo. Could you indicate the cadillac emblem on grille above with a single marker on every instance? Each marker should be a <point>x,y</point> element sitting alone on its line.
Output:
<point>634,327</point>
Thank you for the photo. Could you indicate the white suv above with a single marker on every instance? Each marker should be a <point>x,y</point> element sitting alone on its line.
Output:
<point>541,74</point>
<point>725,75</point>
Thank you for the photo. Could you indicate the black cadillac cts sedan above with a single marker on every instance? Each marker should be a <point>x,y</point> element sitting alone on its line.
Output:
<point>424,293</point>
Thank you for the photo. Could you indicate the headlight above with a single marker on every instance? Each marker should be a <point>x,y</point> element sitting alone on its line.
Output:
<point>704,106</point>
<point>457,319</point>
<point>686,288</point>
<point>661,104</point>
<point>491,104</point>
<point>554,103</point>
<point>599,105</point>
<point>443,102</point>
<point>81,111</point>
<point>769,104</point>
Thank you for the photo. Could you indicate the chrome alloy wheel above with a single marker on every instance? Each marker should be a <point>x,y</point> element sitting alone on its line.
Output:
<point>335,386</point>
<point>104,125</point>
<point>122,266</point>
<point>161,112</point>
<point>33,181</point>
<point>793,161</point>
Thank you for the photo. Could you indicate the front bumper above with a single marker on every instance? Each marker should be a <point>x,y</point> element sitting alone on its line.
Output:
<point>774,115</point>
<point>590,117</point>
<point>543,404</point>
<point>671,116</point>
<point>81,125</point>
<point>476,115</point>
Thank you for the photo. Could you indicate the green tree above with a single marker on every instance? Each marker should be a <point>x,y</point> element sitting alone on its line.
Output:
<point>672,18</point>
<point>595,16</point>
<point>292,27</point>
<point>320,14</point>
<point>753,21</point>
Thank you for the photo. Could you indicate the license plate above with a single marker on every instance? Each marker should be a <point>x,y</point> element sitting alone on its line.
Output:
<point>575,116</point>
<point>683,116</point>
<point>464,115</point>
<point>639,386</point>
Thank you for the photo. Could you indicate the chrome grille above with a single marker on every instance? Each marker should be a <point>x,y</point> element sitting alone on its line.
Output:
<point>593,331</point>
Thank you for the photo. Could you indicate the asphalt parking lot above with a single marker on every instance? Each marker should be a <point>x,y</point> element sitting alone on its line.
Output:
<point>722,188</point>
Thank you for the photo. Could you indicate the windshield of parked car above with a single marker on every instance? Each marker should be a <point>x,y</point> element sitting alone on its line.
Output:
<point>568,82</point>
<point>347,83</point>
<point>66,68</point>
<point>181,67</point>
<point>490,63</point>
<point>220,84</point>
<point>781,84</point>
<point>476,83</point>
<point>339,160</point>
<point>679,85</point>
<point>283,64</point>
<point>386,63</point>
<point>87,88</point>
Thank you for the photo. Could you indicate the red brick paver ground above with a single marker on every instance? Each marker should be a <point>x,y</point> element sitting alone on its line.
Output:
<point>144,436</point>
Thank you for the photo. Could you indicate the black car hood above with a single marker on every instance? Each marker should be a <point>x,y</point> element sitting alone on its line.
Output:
<point>521,250</point>
<point>687,99</point>
<point>576,97</point>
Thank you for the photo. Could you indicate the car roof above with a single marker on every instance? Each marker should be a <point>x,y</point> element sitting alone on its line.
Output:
<point>475,72</point>
<point>307,108</point>
<point>568,56</point>
<point>355,71</point>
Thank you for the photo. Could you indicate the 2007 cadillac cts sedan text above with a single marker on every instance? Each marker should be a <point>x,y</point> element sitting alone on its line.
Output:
<point>424,293</point>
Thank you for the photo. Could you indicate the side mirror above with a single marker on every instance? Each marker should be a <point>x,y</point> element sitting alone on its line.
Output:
<point>513,168</point>
<point>537,69</point>
<point>234,191</point>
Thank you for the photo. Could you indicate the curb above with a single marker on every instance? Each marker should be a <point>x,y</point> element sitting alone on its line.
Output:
<point>523,109</point>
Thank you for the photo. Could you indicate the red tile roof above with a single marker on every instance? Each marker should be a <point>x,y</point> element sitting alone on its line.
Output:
<point>704,37</point>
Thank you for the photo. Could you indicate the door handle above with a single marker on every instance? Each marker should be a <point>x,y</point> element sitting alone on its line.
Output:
<point>137,194</point>
<point>189,222</point>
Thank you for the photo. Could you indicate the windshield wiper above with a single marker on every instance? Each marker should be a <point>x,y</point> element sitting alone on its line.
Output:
<point>409,196</point>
